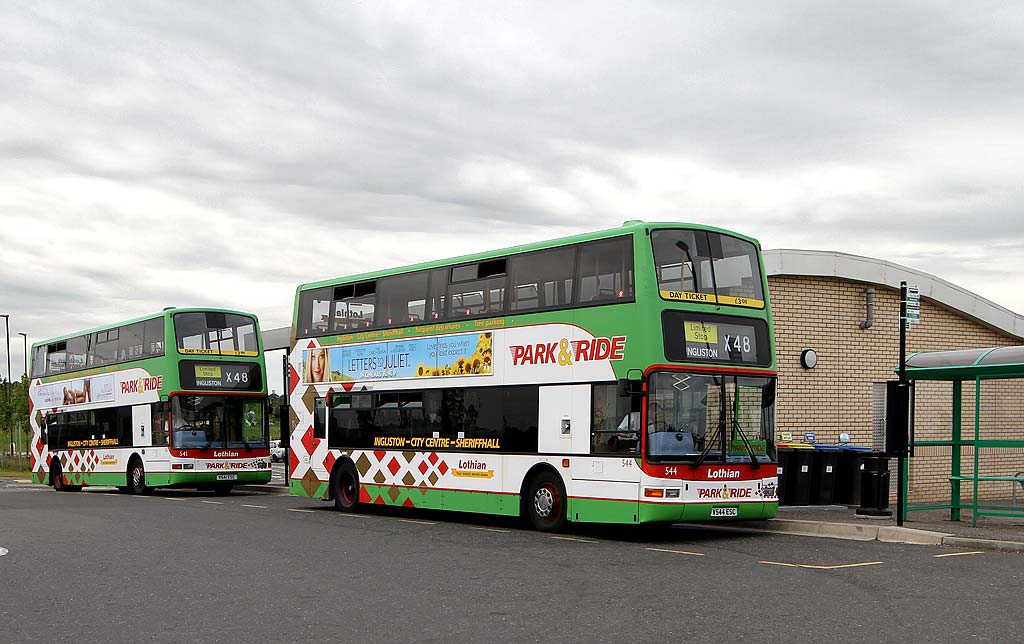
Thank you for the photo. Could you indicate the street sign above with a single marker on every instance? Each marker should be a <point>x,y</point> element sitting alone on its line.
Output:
<point>913,305</point>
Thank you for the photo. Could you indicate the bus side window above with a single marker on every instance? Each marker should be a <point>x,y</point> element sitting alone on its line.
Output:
<point>160,424</point>
<point>614,426</point>
<point>319,418</point>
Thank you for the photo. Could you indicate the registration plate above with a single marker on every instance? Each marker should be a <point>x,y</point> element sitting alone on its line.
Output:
<point>227,477</point>
<point>725,512</point>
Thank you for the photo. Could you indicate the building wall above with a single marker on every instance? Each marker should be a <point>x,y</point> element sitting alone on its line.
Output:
<point>824,314</point>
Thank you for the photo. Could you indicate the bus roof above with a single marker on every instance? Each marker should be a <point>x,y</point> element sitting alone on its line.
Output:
<point>142,318</point>
<point>628,227</point>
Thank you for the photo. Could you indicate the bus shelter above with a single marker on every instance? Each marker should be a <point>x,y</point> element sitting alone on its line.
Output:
<point>983,388</point>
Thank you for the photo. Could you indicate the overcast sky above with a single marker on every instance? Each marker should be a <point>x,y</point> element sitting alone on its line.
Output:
<point>179,153</point>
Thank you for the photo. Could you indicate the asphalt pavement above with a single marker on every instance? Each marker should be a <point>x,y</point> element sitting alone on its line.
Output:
<point>186,566</point>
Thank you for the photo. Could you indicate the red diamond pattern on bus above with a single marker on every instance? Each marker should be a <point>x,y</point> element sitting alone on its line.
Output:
<point>442,468</point>
<point>432,458</point>
<point>394,466</point>
<point>424,467</point>
<point>380,454</point>
<point>308,441</point>
<point>329,461</point>
<point>293,379</point>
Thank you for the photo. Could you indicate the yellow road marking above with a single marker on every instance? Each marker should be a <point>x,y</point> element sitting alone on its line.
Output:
<point>299,510</point>
<point>677,552</point>
<point>575,539</point>
<point>213,502</point>
<point>836,567</point>
<point>960,554</point>
<point>246,505</point>
<point>417,521</point>
<point>489,529</point>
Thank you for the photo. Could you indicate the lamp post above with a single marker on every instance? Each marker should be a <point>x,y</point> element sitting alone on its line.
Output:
<point>7,324</point>
<point>24,340</point>
<point>24,337</point>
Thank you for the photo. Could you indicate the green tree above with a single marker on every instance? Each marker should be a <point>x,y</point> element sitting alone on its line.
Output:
<point>15,430</point>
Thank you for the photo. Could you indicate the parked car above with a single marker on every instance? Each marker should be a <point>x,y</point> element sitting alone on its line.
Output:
<point>276,452</point>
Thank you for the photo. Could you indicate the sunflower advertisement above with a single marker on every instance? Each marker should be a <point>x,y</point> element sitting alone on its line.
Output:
<point>467,354</point>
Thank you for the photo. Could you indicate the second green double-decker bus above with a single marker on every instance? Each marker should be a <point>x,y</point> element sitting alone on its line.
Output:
<point>173,399</point>
<point>624,376</point>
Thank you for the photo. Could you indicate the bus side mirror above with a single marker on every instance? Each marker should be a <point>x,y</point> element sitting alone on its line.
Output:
<point>628,387</point>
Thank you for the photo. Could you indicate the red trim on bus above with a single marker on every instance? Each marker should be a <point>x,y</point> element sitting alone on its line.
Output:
<point>703,473</point>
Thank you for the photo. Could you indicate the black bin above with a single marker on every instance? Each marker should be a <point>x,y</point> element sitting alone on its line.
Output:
<point>848,474</point>
<point>874,486</point>
<point>823,474</point>
<point>795,480</point>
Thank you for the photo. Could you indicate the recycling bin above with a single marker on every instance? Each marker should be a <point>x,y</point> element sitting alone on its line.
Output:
<point>848,474</point>
<point>795,477</point>
<point>823,474</point>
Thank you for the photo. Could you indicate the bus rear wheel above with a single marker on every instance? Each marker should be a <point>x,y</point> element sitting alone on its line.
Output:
<point>57,479</point>
<point>346,488</point>
<point>137,477</point>
<point>545,502</point>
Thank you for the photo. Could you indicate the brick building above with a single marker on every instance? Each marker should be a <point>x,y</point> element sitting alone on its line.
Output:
<point>820,301</point>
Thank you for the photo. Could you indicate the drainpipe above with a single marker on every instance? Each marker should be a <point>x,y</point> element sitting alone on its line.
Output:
<point>869,304</point>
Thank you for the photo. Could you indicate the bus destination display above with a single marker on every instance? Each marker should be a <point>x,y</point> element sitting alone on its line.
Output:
<point>721,340</point>
<point>241,376</point>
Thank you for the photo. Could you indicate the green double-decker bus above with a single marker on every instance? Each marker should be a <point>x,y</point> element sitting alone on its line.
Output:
<point>173,399</point>
<point>620,376</point>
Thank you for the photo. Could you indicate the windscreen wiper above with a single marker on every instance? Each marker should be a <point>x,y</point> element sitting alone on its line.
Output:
<point>719,431</point>
<point>746,443</point>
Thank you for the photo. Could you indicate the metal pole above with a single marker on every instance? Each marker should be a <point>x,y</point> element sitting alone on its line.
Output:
<point>900,465</point>
<point>24,338</point>
<point>7,325</point>
<point>285,417</point>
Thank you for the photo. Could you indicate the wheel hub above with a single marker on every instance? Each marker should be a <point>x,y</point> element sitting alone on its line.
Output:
<point>543,502</point>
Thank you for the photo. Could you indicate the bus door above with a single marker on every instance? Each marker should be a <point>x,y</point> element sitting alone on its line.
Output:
<point>155,459</point>
<point>142,432</point>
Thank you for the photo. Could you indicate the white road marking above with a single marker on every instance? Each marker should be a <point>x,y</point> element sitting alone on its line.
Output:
<point>677,552</point>
<point>213,502</point>
<point>417,521</point>
<point>3,551</point>
<point>575,539</point>
<point>246,505</point>
<point>299,510</point>
<point>835,567</point>
<point>489,529</point>
<point>959,554</point>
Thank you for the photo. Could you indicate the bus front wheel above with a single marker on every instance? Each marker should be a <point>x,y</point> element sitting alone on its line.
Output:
<point>137,478</point>
<point>545,502</point>
<point>346,487</point>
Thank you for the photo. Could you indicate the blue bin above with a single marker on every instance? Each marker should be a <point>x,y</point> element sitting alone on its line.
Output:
<point>849,471</point>
<point>823,474</point>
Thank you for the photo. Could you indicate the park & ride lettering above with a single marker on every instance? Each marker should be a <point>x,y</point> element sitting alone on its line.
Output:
<point>565,352</point>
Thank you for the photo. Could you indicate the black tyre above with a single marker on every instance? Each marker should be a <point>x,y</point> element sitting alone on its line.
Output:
<point>57,476</point>
<point>346,487</point>
<point>222,489</point>
<point>137,477</point>
<point>545,502</point>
